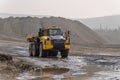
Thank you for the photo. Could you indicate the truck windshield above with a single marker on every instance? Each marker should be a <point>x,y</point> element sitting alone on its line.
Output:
<point>54,32</point>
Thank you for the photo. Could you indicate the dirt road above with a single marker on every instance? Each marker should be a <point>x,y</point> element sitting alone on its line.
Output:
<point>73,68</point>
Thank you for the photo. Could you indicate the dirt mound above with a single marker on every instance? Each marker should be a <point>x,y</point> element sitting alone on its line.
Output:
<point>5,57</point>
<point>10,68</point>
<point>23,65</point>
<point>20,65</point>
<point>21,26</point>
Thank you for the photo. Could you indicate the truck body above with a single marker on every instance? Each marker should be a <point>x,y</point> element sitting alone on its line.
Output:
<point>48,42</point>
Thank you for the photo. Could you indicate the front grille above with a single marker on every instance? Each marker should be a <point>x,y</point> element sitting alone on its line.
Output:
<point>58,44</point>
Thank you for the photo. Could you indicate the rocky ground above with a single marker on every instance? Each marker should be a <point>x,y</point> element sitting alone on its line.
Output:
<point>10,67</point>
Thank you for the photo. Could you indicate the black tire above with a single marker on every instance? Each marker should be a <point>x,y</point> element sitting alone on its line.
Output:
<point>37,52</point>
<point>64,53</point>
<point>33,50</point>
<point>37,49</point>
<point>43,53</point>
<point>30,50</point>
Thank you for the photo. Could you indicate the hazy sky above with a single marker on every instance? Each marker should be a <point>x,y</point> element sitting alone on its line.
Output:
<point>63,8</point>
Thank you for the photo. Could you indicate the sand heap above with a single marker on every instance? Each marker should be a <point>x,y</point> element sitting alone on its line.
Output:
<point>21,26</point>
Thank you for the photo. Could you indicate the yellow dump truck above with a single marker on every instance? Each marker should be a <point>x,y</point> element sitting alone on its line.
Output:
<point>48,42</point>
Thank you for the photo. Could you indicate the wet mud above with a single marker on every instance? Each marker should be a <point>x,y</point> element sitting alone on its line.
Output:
<point>72,68</point>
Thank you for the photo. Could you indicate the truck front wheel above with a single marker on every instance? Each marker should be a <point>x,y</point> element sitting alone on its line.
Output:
<point>64,53</point>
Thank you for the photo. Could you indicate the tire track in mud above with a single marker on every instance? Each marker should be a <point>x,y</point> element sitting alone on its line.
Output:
<point>16,51</point>
<point>20,51</point>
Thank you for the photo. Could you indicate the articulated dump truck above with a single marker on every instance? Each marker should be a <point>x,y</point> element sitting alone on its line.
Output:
<point>48,42</point>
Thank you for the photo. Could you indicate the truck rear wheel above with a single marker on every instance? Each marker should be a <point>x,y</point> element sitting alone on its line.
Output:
<point>43,53</point>
<point>37,50</point>
<point>33,50</point>
<point>30,49</point>
<point>64,53</point>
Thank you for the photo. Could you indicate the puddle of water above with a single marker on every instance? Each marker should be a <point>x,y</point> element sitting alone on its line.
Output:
<point>71,66</point>
<point>53,73</point>
<point>49,71</point>
<point>87,72</point>
<point>25,76</point>
<point>58,77</point>
<point>101,69</point>
<point>106,75</point>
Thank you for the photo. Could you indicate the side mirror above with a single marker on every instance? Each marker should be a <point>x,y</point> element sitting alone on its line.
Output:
<point>68,33</point>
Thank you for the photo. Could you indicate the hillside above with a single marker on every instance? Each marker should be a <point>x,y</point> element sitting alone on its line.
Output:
<point>111,22</point>
<point>113,36</point>
<point>21,26</point>
<point>108,27</point>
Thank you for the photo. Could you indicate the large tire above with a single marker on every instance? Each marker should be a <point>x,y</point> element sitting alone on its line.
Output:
<point>37,52</point>
<point>37,49</point>
<point>64,53</point>
<point>43,53</point>
<point>30,49</point>
<point>33,50</point>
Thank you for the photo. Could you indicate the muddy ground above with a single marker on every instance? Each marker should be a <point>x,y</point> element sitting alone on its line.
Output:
<point>85,64</point>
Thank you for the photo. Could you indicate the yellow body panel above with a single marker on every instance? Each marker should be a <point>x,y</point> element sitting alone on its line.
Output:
<point>67,46</point>
<point>47,45</point>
